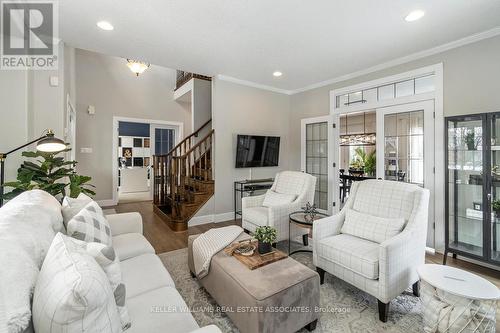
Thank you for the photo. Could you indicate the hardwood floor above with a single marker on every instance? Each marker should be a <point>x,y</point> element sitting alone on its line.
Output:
<point>164,239</point>
<point>158,233</point>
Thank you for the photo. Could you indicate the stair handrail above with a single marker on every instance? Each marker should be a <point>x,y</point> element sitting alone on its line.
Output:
<point>198,144</point>
<point>194,134</point>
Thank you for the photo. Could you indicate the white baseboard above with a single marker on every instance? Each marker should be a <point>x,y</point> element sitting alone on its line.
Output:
<point>198,220</point>
<point>106,203</point>
<point>430,250</point>
<point>224,217</point>
<point>211,218</point>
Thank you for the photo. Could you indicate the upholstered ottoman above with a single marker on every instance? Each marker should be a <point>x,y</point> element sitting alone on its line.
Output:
<point>281,297</point>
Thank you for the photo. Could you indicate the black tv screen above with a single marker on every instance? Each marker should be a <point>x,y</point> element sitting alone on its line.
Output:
<point>253,151</point>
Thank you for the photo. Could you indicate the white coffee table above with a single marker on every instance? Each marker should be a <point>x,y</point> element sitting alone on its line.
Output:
<point>456,300</point>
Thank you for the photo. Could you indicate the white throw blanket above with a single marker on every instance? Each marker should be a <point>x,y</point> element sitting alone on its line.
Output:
<point>210,243</point>
<point>27,226</point>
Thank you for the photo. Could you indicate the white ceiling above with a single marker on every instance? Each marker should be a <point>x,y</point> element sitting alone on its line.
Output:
<point>309,41</point>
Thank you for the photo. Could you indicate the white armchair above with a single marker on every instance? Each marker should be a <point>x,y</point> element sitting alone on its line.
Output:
<point>286,182</point>
<point>385,269</point>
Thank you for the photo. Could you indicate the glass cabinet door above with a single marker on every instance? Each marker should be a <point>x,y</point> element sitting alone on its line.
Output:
<point>465,184</point>
<point>495,188</point>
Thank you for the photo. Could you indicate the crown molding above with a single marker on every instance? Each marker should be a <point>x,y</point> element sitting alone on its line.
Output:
<point>412,57</point>
<point>395,62</point>
<point>253,84</point>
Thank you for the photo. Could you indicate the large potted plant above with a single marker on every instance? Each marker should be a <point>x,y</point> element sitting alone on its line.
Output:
<point>367,161</point>
<point>50,173</point>
<point>266,236</point>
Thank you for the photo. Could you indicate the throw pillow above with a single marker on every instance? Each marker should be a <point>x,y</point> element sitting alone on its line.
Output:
<point>90,225</point>
<point>72,293</point>
<point>275,199</point>
<point>373,228</point>
<point>72,206</point>
<point>106,257</point>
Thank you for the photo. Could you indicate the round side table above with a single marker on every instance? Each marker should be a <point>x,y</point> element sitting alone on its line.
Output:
<point>299,218</point>
<point>457,301</point>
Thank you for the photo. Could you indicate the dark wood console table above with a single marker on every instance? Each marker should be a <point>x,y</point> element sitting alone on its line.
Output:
<point>248,187</point>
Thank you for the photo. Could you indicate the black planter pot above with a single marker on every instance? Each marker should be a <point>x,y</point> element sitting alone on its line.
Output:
<point>264,247</point>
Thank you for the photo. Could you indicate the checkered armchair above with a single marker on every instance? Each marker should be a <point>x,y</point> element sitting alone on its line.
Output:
<point>386,269</point>
<point>286,182</point>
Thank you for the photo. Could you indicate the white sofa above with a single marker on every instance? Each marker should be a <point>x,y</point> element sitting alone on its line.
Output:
<point>386,269</point>
<point>254,214</point>
<point>153,302</point>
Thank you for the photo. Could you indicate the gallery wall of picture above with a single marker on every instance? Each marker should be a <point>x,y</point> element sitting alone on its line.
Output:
<point>135,151</point>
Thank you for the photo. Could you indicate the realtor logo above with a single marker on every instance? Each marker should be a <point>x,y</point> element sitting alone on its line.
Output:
<point>29,35</point>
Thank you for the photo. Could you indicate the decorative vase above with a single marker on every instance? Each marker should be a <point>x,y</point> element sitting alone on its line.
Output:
<point>471,146</point>
<point>264,247</point>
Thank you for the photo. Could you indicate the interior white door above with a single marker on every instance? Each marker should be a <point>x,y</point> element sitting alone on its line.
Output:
<point>405,148</point>
<point>315,157</point>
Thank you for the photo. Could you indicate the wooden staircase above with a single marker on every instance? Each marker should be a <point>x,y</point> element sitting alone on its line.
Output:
<point>183,179</point>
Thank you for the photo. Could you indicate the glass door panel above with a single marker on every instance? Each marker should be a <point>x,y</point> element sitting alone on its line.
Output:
<point>495,188</point>
<point>316,160</point>
<point>404,153</point>
<point>465,185</point>
<point>404,147</point>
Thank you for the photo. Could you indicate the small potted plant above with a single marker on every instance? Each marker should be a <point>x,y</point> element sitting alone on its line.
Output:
<point>495,206</point>
<point>266,236</point>
<point>470,140</point>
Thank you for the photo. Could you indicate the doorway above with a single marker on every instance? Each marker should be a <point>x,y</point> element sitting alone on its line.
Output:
<point>402,152</point>
<point>135,143</point>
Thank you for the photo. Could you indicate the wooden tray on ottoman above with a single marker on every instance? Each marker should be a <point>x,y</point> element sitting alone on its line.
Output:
<point>256,260</point>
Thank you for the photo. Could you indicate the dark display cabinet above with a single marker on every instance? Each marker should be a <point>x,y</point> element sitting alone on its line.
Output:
<point>473,187</point>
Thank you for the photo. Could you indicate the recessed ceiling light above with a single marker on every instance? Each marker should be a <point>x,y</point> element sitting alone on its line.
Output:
<point>415,15</point>
<point>105,25</point>
<point>277,74</point>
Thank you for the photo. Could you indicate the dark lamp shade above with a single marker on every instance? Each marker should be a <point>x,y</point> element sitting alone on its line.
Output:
<point>50,144</point>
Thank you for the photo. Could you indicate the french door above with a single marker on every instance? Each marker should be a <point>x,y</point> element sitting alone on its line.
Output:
<point>315,158</point>
<point>405,148</point>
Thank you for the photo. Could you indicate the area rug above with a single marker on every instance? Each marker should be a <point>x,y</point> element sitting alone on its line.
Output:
<point>344,308</point>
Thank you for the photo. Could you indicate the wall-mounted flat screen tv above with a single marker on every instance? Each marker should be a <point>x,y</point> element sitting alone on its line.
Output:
<point>253,151</point>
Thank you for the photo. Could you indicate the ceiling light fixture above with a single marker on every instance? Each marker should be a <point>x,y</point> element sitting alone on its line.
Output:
<point>414,15</point>
<point>277,74</point>
<point>105,25</point>
<point>137,66</point>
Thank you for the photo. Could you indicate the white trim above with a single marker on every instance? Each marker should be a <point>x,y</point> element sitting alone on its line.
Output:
<point>430,250</point>
<point>392,63</point>
<point>184,89</point>
<point>199,220</point>
<point>223,217</point>
<point>106,203</point>
<point>253,84</point>
<point>437,95</point>
<point>211,218</point>
<point>114,150</point>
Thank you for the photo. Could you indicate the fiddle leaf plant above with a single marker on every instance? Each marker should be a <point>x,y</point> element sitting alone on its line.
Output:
<point>50,173</point>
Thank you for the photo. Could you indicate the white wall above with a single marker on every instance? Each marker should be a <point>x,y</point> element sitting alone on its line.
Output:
<point>240,109</point>
<point>471,81</point>
<point>202,102</point>
<point>107,83</point>
<point>13,117</point>
<point>29,106</point>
